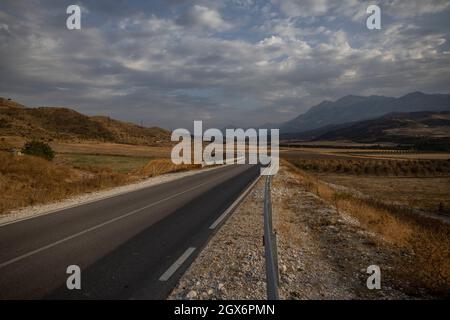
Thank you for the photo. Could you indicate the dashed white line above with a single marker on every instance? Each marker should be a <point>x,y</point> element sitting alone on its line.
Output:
<point>174,267</point>
<point>6,263</point>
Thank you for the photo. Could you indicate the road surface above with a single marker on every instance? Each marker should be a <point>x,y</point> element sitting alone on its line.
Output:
<point>131,246</point>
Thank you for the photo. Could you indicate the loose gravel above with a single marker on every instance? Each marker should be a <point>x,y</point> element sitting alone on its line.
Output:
<point>323,253</point>
<point>231,266</point>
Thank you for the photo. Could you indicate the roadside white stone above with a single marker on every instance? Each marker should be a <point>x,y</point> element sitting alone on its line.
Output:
<point>192,294</point>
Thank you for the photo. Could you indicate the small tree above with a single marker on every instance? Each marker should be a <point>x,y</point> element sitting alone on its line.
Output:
<point>38,149</point>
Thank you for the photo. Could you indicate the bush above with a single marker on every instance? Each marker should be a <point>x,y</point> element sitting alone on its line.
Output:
<point>38,149</point>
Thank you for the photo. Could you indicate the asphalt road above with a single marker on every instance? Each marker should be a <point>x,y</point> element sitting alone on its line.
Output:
<point>131,246</point>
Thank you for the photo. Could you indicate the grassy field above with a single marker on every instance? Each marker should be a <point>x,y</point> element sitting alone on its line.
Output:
<point>27,180</point>
<point>376,167</point>
<point>404,155</point>
<point>420,182</point>
<point>111,149</point>
<point>423,239</point>
<point>119,164</point>
<point>427,194</point>
<point>382,190</point>
<point>337,143</point>
<point>343,153</point>
<point>78,168</point>
<point>95,147</point>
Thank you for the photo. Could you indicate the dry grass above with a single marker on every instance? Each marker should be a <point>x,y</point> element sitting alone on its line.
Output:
<point>403,155</point>
<point>28,180</point>
<point>120,164</point>
<point>413,168</point>
<point>422,184</point>
<point>94,147</point>
<point>161,166</point>
<point>430,194</point>
<point>62,124</point>
<point>425,240</point>
<point>362,154</point>
<point>111,149</point>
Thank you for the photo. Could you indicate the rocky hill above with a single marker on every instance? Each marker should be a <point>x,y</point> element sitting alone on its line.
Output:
<point>65,124</point>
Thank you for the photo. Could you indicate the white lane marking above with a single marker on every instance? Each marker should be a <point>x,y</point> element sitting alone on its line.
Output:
<point>174,267</point>
<point>4,264</point>
<point>233,205</point>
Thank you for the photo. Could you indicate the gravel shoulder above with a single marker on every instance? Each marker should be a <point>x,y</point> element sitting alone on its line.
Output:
<point>323,253</point>
<point>231,266</point>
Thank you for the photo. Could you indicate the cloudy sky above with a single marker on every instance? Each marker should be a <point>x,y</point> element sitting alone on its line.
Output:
<point>229,62</point>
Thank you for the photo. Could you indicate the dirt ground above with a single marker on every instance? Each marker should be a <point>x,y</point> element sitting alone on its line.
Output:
<point>323,253</point>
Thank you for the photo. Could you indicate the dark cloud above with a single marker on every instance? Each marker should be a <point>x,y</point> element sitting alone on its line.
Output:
<point>239,62</point>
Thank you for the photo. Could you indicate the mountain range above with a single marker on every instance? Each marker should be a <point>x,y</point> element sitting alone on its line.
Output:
<point>329,114</point>
<point>425,129</point>
<point>415,118</point>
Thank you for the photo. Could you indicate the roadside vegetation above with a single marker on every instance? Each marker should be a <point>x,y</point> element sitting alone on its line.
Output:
<point>39,149</point>
<point>29,180</point>
<point>375,167</point>
<point>422,240</point>
<point>162,166</point>
<point>117,163</point>
<point>427,194</point>
<point>32,179</point>
<point>420,184</point>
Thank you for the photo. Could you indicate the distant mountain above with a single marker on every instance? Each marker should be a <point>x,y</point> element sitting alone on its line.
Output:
<point>269,125</point>
<point>68,125</point>
<point>421,128</point>
<point>312,134</point>
<point>356,108</point>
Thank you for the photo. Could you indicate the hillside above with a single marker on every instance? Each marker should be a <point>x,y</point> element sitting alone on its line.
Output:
<point>357,108</point>
<point>403,128</point>
<point>68,125</point>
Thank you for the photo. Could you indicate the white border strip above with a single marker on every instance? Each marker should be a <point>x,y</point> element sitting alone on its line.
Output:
<point>51,245</point>
<point>120,193</point>
<point>233,205</point>
<point>174,267</point>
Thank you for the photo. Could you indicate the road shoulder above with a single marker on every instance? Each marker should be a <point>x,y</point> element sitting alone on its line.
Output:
<point>323,253</point>
<point>38,210</point>
<point>231,266</point>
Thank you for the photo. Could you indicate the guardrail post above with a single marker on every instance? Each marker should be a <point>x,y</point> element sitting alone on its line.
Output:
<point>275,256</point>
<point>270,246</point>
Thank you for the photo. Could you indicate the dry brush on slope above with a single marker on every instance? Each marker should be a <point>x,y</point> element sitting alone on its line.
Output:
<point>63,124</point>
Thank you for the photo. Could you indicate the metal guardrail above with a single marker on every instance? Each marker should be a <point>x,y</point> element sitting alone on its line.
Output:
<point>270,246</point>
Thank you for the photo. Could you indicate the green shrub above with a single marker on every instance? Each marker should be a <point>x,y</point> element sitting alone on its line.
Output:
<point>38,149</point>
